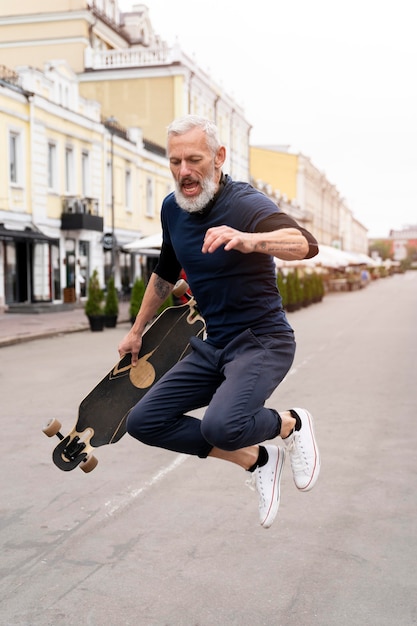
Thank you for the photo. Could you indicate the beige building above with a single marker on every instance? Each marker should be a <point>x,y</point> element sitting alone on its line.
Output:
<point>75,189</point>
<point>87,169</point>
<point>296,182</point>
<point>124,65</point>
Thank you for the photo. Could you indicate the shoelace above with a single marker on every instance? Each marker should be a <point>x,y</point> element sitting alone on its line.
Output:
<point>298,456</point>
<point>251,482</point>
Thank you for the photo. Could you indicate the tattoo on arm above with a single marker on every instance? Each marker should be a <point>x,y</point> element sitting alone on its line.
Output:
<point>275,246</point>
<point>162,288</point>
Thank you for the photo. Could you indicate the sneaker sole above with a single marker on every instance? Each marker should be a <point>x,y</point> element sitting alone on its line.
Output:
<point>316,469</point>
<point>273,509</point>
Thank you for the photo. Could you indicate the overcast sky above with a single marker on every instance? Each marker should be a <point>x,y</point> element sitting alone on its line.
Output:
<point>334,80</point>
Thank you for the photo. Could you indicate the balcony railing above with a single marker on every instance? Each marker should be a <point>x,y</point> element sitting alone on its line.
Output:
<point>160,54</point>
<point>77,204</point>
<point>80,214</point>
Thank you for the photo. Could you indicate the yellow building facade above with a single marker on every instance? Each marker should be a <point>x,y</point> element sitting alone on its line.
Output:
<point>296,182</point>
<point>123,64</point>
<point>76,189</point>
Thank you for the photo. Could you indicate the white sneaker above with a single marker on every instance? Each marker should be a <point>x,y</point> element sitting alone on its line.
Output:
<point>266,480</point>
<point>303,451</point>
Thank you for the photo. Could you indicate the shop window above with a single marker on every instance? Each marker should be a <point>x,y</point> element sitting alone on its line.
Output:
<point>83,271</point>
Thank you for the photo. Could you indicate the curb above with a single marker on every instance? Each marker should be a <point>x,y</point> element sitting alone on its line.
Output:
<point>44,334</point>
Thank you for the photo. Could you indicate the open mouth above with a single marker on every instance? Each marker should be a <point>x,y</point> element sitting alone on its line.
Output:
<point>190,187</point>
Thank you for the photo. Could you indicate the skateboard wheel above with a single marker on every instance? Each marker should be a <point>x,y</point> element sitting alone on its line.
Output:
<point>89,463</point>
<point>52,427</point>
<point>181,287</point>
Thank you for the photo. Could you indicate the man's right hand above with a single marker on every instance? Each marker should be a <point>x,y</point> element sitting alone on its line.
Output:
<point>132,343</point>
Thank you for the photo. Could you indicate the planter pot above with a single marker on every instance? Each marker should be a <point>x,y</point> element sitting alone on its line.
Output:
<point>110,321</point>
<point>96,322</point>
<point>293,307</point>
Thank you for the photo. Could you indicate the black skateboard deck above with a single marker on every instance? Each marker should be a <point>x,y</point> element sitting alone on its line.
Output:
<point>103,412</point>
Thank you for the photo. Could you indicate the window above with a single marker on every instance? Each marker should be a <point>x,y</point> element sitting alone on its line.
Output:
<point>10,273</point>
<point>15,158</point>
<point>69,170</point>
<point>85,173</point>
<point>52,167</point>
<point>150,210</point>
<point>41,267</point>
<point>128,190</point>
<point>56,273</point>
<point>110,12</point>
<point>126,271</point>
<point>83,261</point>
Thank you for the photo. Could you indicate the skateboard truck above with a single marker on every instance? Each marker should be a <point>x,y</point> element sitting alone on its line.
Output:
<point>70,452</point>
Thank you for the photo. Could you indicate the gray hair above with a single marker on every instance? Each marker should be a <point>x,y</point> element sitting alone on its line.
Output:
<point>184,124</point>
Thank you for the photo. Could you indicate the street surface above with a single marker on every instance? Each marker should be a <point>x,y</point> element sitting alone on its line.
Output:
<point>152,538</point>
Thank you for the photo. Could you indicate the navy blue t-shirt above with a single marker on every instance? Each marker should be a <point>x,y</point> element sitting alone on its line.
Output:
<point>234,291</point>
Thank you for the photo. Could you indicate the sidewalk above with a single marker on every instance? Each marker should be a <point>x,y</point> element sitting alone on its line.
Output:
<point>20,327</point>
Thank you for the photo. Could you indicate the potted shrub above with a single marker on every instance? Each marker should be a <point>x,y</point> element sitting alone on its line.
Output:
<point>111,305</point>
<point>298,287</point>
<point>291,295</point>
<point>94,304</point>
<point>307,283</point>
<point>136,297</point>
<point>318,287</point>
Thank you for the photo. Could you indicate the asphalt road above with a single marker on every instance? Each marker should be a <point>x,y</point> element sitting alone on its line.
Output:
<point>151,538</point>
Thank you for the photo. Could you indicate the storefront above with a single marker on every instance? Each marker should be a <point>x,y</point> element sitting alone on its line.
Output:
<point>30,266</point>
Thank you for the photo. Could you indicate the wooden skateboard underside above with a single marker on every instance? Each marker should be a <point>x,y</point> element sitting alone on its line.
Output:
<point>103,412</point>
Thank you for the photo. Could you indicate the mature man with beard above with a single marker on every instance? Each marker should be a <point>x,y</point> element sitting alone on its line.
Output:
<point>225,235</point>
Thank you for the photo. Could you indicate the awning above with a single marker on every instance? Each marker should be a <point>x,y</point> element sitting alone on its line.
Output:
<point>27,234</point>
<point>146,245</point>
<point>359,258</point>
<point>332,258</point>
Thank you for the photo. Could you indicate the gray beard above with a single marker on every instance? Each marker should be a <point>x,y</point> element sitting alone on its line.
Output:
<point>194,205</point>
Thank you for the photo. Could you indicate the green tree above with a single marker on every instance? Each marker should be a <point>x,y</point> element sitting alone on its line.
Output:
<point>382,247</point>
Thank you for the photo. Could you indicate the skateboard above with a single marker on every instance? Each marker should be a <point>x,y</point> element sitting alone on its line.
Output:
<point>103,412</point>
